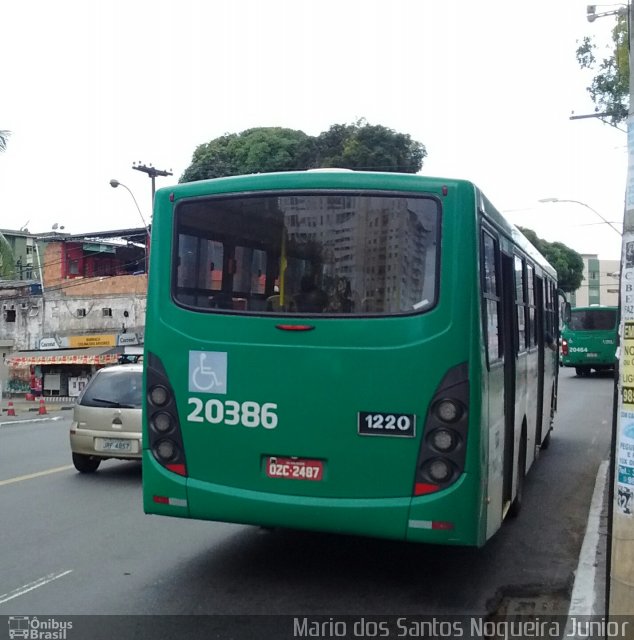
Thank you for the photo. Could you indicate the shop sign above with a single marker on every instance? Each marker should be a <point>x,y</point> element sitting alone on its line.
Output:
<point>49,343</point>
<point>127,339</point>
<point>92,341</point>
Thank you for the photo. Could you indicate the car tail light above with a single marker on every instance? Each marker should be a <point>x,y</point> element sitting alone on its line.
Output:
<point>564,347</point>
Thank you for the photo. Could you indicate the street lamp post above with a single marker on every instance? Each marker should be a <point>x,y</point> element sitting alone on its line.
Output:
<point>619,586</point>
<point>583,204</point>
<point>114,184</point>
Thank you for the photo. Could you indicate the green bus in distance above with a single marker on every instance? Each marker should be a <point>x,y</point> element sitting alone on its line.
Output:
<point>344,351</point>
<point>589,339</point>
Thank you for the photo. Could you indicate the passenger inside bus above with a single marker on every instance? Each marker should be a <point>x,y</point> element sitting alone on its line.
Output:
<point>341,301</point>
<point>310,299</point>
<point>549,341</point>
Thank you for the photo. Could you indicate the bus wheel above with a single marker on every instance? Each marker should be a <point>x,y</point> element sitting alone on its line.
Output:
<point>85,464</point>
<point>516,505</point>
<point>580,371</point>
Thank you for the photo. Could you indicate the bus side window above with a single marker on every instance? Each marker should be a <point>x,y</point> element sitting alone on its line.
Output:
<point>491,295</point>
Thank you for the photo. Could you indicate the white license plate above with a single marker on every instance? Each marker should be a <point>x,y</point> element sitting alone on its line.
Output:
<point>114,444</point>
<point>592,355</point>
<point>294,468</point>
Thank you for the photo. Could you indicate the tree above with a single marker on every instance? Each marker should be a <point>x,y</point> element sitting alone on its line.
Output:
<point>253,151</point>
<point>369,147</point>
<point>566,261</point>
<point>609,88</point>
<point>262,149</point>
<point>4,135</point>
<point>7,264</point>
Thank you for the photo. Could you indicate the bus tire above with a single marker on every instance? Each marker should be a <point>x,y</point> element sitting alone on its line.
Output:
<point>516,505</point>
<point>85,464</point>
<point>580,371</point>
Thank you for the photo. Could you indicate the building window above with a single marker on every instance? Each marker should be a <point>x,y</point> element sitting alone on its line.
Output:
<point>81,313</point>
<point>73,267</point>
<point>107,312</point>
<point>9,315</point>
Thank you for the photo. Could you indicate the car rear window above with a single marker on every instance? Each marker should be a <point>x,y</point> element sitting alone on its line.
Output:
<point>111,388</point>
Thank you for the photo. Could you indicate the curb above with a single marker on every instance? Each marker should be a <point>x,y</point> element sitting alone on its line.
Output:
<point>588,588</point>
<point>49,409</point>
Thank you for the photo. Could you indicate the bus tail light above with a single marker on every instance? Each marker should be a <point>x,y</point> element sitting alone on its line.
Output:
<point>163,424</point>
<point>441,458</point>
<point>564,347</point>
<point>423,488</point>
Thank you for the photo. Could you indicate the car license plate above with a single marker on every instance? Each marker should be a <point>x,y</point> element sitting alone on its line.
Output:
<point>114,444</point>
<point>592,355</point>
<point>294,468</point>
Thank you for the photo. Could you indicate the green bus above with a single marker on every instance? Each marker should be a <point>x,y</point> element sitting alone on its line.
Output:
<point>344,351</point>
<point>589,338</point>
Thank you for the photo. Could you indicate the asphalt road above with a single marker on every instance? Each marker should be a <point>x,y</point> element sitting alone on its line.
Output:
<point>76,544</point>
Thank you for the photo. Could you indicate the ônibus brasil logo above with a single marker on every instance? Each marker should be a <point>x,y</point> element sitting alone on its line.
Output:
<point>34,628</point>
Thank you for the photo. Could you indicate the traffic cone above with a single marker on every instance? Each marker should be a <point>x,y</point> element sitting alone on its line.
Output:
<point>42,409</point>
<point>10,409</point>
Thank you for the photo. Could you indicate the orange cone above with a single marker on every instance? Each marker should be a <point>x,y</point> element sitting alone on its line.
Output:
<point>10,409</point>
<point>42,409</point>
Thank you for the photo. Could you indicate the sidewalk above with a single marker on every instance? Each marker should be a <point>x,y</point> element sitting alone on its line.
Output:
<point>589,588</point>
<point>27,408</point>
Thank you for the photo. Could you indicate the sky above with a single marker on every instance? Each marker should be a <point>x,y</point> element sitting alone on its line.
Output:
<point>90,88</point>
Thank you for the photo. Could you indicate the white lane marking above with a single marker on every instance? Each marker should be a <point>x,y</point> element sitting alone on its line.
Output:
<point>30,421</point>
<point>40,582</point>
<point>38,474</point>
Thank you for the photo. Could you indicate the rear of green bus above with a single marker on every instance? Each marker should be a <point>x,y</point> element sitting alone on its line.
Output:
<point>589,339</point>
<point>309,341</point>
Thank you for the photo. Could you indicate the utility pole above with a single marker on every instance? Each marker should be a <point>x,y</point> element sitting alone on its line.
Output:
<point>621,551</point>
<point>152,172</point>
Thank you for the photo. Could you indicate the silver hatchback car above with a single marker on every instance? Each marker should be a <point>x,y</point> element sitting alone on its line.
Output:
<point>107,418</point>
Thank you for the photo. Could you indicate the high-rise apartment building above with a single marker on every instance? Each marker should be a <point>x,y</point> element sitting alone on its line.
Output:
<point>600,284</point>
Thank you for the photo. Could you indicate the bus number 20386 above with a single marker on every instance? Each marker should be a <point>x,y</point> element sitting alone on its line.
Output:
<point>229,412</point>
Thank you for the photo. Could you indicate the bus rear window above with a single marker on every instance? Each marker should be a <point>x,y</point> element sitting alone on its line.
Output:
<point>330,253</point>
<point>592,320</point>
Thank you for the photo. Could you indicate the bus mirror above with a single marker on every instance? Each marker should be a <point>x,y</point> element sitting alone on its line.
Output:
<point>566,314</point>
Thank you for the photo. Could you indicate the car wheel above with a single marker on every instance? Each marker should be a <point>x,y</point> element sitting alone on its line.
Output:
<point>85,464</point>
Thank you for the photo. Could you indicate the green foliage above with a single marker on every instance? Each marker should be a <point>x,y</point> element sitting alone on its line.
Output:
<point>363,146</point>
<point>263,149</point>
<point>609,89</point>
<point>252,151</point>
<point>7,264</point>
<point>567,262</point>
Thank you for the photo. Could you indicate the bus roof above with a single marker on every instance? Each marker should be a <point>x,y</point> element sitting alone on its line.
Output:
<point>312,179</point>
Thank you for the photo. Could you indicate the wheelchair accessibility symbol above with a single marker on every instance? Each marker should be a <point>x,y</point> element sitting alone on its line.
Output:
<point>208,372</point>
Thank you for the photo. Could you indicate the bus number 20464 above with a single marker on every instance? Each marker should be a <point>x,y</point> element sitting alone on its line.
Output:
<point>230,412</point>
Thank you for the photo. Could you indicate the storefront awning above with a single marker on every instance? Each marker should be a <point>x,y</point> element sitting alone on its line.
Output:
<point>91,355</point>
